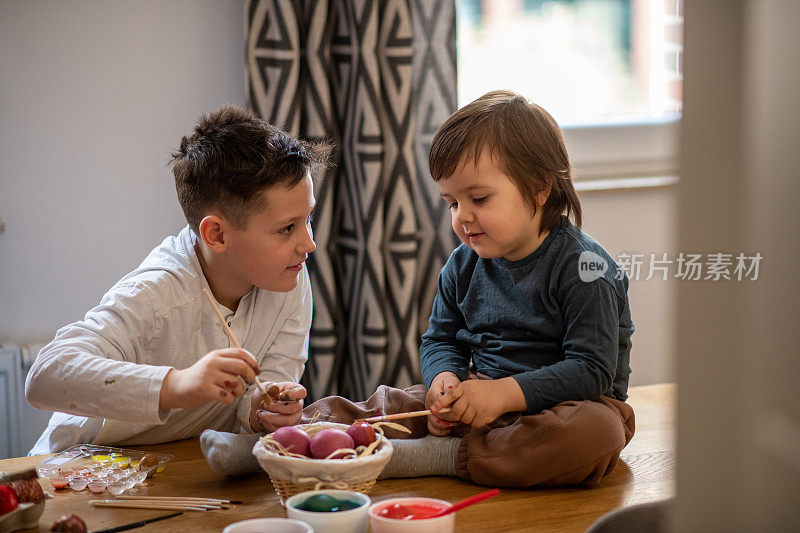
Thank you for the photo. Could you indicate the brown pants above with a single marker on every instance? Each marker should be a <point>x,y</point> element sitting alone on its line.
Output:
<point>575,442</point>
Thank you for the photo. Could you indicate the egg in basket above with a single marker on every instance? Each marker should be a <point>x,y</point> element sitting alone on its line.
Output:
<point>324,455</point>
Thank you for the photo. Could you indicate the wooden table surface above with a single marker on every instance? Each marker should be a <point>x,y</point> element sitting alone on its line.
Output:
<point>645,473</point>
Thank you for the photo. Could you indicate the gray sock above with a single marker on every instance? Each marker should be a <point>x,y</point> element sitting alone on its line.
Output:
<point>230,453</point>
<point>428,456</point>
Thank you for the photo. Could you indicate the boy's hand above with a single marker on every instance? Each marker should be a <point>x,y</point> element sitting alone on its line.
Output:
<point>214,377</point>
<point>441,425</point>
<point>269,417</point>
<point>478,402</point>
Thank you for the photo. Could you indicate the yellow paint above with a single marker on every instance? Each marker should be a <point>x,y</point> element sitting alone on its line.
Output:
<point>122,460</point>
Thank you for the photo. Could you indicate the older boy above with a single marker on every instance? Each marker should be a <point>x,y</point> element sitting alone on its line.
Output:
<point>151,363</point>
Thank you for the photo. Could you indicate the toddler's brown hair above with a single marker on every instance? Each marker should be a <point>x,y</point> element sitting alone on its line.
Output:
<point>525,142</point>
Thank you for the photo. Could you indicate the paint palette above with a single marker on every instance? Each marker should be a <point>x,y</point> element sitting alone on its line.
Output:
<point>87,458</point>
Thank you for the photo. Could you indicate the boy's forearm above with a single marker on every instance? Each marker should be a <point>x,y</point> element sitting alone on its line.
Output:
<point>166,398</point>
<point>444,375</point>
<point>514,396</point>
<point>439,357</point>
<point>67,378</point>
<point>440,351</point>
<point>567,380</point>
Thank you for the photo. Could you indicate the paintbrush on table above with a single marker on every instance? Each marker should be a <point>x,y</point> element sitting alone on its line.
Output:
<point>134,525</point>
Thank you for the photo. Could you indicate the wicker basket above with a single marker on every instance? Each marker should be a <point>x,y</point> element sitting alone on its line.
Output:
<point>293,475</point>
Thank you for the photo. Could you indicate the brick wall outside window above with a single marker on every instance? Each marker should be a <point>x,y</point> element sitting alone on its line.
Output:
<point>673,55</point>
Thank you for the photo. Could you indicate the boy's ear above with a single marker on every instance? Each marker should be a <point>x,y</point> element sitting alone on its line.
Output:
<point>542,196</point>
<point>212,231</point>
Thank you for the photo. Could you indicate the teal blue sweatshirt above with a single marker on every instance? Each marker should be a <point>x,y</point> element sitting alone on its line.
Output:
<point>557,321</point>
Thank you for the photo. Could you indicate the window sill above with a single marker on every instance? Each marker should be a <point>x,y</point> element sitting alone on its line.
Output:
<point>620,184</point>
<point>614,151</point>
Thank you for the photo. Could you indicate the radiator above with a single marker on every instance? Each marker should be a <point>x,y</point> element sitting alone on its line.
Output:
<point>20,423</point>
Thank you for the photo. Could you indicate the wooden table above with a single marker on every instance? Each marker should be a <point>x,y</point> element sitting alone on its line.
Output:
<point>646,473</point>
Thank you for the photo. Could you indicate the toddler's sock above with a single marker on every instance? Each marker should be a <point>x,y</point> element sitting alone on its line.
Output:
<point>428,456</point>
<point>230,453</point>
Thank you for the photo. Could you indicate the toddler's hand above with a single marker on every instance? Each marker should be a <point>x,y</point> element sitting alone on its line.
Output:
<point>214,377</point>
<point>440,425</point>
<point>478,402</point>
<point>269,417</point>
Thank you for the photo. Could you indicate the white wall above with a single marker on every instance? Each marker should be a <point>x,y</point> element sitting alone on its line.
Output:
<point>94,96</point>
<point>642,221</point>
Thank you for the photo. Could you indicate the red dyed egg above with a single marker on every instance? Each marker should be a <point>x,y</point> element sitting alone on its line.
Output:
<point>328,441</point>
<point>362,433</point>
<point>293,439</point>
<point>8,499</point>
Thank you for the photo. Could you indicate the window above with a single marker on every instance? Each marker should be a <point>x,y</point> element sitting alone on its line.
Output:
<point>609,71</point>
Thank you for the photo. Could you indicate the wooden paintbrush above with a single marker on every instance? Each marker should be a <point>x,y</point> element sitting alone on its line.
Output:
<point>400,416</point>
<point>231,336</point>
<point>162,504</point>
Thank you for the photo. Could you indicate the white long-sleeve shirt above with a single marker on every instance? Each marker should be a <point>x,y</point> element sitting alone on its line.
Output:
<point>103,375</point>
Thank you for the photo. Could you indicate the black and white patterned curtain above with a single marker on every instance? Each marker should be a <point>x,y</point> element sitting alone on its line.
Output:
<point>376,78</point>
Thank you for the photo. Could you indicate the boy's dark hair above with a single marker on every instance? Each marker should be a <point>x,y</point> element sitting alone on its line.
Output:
<point>524,141</point>
<point>231,156</point>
